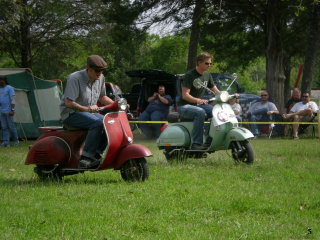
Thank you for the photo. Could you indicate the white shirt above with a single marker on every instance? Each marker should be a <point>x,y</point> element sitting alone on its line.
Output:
<point>236,107</point>
<point>301,106</point>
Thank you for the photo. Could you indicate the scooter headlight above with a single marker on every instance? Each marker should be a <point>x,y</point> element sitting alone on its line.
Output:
<point>224,96</point>
<point>122,104</point>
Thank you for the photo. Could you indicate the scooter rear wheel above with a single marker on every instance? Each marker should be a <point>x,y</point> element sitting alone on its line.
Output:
<point>135,170</point>
<point>48,172</point>
<point>242,151</point>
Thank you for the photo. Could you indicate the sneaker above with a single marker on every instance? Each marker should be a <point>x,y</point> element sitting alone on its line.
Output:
<point>198,147</point>
<point>4,145</point>
<point>16,143</point>
<point>86,162</point>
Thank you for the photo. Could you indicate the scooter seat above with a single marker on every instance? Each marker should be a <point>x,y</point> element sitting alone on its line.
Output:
<point>175,117</point>
<point>50,128</point>
<point>72,128</point>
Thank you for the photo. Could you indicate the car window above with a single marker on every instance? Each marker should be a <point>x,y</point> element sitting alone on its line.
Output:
<point>117,90</point>
<point>109,90</point>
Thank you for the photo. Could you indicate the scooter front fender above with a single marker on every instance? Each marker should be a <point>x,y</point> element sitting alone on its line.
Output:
<point>237,134</point>
<point>130,152</point>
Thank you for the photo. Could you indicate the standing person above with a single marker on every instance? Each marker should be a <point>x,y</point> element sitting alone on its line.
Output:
<point>79,108</point>
<point>295,98</point>
<point>157,110</point>
<point>301,111</point>
<point>261,112</point>
<point>7,110</point>
<point>190,105</point>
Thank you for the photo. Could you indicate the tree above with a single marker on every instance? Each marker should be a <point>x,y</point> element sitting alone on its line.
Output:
<point>274,25</point>
<point>30,25</point>
<point>177,13</point>
<point>313,47</point>
<point>198,14</point>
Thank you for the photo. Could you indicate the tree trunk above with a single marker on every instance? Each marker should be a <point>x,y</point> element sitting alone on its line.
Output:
<point>312,49</point>
<point>275,55</point>
<point>195,33</point>
<point>25,42</point>
<point>287,86</point>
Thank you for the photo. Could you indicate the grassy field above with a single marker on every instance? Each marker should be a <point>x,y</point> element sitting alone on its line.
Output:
<point>277,197</point>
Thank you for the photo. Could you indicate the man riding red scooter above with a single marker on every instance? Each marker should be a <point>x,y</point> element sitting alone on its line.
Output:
<point>79,110</point>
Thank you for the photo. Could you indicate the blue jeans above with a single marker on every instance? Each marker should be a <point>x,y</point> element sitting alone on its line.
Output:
<point>96,140</point>
<point>8,128</point>
<point>151,130</point>
<point>259,116</point>
<point>197,114</point>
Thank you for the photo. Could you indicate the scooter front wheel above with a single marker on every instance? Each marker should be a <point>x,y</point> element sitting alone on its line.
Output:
<point>135,170</point>
<point>242,151</point>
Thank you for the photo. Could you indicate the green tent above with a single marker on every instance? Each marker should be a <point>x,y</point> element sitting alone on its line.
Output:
<point>37,101</point>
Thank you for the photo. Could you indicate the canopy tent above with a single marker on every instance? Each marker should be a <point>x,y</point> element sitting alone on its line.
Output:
<point>37,101</point>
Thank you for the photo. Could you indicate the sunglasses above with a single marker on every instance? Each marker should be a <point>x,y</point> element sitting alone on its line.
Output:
<point>305,96</point>
<point>97,70</point>
<point>208,63</point>
<point>263,95</point>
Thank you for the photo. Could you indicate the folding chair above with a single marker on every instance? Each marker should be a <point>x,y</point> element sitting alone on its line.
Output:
<point>304,127</point>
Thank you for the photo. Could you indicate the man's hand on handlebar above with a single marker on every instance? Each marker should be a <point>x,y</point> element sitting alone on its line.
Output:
<point>202,101</point>
<point>93,109</point>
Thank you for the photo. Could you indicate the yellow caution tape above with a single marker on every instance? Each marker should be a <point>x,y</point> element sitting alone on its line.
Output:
<point>288,123</point>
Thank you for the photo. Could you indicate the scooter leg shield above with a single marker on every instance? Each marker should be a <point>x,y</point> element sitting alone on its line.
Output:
<point>130,152</point>
<point>175,135</point>
<point>237,134</point>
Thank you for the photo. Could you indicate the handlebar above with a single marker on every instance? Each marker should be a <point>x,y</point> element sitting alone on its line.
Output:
<point>117,105</point>
<point>111,106</point>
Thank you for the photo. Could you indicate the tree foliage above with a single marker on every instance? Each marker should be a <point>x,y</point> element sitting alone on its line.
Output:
<point>55,37</point>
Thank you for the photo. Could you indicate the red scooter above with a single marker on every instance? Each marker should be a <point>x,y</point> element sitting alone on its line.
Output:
<point>57,151</point>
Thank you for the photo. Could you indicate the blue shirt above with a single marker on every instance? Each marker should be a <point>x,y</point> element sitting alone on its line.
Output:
<point>6,93</point>
<point>157,105</point>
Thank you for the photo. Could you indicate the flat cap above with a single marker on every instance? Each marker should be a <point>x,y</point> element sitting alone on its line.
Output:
<point>96,62</point>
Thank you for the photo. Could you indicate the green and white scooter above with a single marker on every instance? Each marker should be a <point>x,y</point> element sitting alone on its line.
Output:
<point>176,140</point>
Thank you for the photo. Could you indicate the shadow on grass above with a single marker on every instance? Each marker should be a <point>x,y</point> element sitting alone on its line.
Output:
<point>35,181</point>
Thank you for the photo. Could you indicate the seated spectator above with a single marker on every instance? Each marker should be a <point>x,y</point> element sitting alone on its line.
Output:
<point>261,111</point>
<point>157,110</point>
<point>236,108</point>
<point>301,111</point>
<point>295,98</point>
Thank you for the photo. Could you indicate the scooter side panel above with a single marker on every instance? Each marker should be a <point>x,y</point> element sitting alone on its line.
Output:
<point>130,152</point>
<point>48,151</point>
<point>176,135</point>
<point>237,134</point>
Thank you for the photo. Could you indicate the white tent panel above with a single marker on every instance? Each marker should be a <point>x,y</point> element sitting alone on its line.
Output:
<point>48,102</point>
<point>23,112</point>
<point>8,71</point>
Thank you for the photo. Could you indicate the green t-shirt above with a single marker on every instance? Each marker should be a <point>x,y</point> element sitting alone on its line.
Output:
<point>187,81</point>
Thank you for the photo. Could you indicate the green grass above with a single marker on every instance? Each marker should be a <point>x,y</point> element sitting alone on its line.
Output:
<point>277,197</point>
